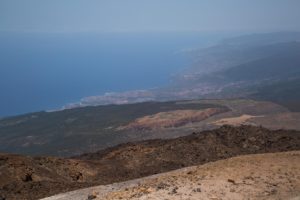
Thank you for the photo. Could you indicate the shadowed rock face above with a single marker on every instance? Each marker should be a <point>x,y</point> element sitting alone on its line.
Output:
<point>36,177</point>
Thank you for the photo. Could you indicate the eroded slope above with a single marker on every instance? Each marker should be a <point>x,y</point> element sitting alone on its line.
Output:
<point>35,177</point>
<point>265,176</point>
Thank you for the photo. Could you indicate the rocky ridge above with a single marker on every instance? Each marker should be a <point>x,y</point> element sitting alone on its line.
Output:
<point>24,177</point>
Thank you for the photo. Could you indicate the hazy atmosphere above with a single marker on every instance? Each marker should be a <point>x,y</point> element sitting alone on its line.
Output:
<point>143,15</point>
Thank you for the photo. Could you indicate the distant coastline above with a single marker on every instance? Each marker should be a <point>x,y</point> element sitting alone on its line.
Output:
<point>56,69</point>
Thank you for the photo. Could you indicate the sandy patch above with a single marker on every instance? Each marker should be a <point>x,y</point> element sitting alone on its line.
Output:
<point>234,121</point>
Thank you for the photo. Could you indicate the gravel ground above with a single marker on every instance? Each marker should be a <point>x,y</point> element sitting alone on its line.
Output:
<point>263,176</point>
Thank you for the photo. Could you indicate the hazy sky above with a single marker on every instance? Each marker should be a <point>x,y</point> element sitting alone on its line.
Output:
<point>149,15</point>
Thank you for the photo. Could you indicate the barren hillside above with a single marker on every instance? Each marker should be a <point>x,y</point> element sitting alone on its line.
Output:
<point>264,176</point>
<point>24,177</point>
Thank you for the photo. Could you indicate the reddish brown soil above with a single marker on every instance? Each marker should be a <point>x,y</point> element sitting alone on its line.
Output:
<point>171,119</point>
<point>36,177</point>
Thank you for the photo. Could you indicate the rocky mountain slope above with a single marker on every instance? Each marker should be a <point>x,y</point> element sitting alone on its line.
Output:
<point>24,177</point>
<point>273,176</point>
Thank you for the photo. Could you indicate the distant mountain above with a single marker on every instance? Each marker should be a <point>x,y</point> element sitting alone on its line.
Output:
<point>234,68</point>
<point>260,39</point>
<point>254,66</point>
<point>235,51</point>
<point>285,92</point>
<point>274,78</point>
<point>280,66</point>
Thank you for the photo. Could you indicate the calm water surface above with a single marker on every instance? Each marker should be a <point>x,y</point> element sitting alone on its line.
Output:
<point>40,71</point>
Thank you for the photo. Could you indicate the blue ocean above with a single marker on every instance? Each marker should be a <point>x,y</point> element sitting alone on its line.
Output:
<point>42,71</point>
